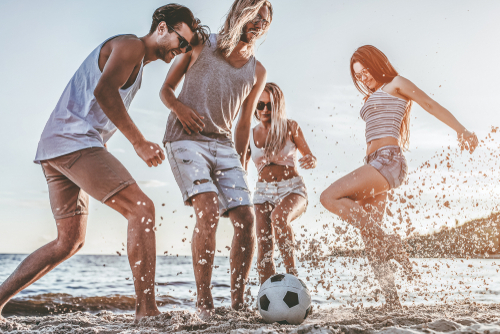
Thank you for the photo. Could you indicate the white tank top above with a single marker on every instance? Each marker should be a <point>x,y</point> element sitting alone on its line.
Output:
<point>78,121</point>
<point>286,157</point>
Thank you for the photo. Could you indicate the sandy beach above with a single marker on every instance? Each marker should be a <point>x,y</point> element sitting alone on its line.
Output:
<point>446,318</point>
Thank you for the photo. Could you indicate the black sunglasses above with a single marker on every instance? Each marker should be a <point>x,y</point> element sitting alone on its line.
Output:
<point>183,43</point>
<point>261,105</point>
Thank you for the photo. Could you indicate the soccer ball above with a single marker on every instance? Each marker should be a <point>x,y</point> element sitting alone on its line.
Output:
<point>284,299</point>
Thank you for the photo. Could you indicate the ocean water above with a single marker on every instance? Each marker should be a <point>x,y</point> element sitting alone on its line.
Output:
<point>98,282</point>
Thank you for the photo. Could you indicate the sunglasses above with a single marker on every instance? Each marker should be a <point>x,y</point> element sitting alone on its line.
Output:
<point>359,76</point>
<point>257,19</point>
<point>261,105</point>
<point>183,43</point>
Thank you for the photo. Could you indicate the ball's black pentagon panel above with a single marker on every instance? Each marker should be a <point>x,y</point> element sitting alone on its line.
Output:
<point>308,311</point>
<point>303,284</point>
<point>283,322</point>
<point>277,278</point>
<point>291,299</point>
<point>264,303</point>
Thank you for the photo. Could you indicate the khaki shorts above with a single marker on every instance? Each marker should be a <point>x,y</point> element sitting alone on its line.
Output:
<point>93,171</point>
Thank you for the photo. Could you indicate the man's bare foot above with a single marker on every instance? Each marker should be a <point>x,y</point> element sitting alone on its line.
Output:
<point>205,314</point>
<point>2,319</point>
<point>151,313</point>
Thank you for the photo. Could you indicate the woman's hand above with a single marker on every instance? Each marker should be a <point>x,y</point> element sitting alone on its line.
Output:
<point>467,140</point>
<point>308,161</point>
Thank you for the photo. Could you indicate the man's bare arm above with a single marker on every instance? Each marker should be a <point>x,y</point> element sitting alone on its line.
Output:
<point>189,118</point>
<point>125,55</point>
<point>242,131</point>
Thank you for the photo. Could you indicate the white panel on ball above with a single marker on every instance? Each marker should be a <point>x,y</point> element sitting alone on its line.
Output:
<point>285,299</point>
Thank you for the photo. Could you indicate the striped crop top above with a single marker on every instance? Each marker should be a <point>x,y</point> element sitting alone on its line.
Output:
<point>383,114</point>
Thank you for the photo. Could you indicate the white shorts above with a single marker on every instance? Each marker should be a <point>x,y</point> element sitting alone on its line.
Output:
<point>275,192</point>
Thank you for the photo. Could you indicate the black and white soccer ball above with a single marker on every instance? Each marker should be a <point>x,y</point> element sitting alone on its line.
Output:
<point>284,299</point>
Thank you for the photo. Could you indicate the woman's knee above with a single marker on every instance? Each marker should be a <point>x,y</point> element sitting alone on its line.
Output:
<point>329,200</point>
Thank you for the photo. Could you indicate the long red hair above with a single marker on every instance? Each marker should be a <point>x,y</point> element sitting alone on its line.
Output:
<point>382,71</point>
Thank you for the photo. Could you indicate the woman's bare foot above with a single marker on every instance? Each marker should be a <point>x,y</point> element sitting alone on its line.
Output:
<point>205,314</point>
<point>150,313</point>
<point>396,251</point>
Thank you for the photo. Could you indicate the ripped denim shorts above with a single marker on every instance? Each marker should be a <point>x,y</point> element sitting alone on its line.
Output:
<point>209,166</point>
<point>275,192</point>
<point>391,163</point>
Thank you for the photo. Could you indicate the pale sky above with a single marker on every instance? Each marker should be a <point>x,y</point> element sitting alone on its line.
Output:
<point>447,48</point>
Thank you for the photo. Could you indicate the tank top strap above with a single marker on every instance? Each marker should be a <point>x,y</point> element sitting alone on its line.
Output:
<point>252,142</point>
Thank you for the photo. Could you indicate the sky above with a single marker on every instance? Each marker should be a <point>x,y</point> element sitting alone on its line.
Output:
<point>447,48</point>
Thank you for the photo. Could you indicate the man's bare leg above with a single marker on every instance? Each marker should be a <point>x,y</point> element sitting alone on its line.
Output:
<point>206,207</point>
<point>139,210</point>
<point>242,249</point>
<point>70,238</point>
<point>71,235</point>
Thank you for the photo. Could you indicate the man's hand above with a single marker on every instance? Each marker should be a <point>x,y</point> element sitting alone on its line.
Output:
<point>189,118</point>
<point>151,153</point>
<point>467,141</point>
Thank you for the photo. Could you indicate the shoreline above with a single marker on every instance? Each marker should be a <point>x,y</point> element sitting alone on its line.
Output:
<point>464,317</point>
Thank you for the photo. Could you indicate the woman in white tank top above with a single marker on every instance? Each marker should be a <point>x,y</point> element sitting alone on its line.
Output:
<point>280,196</point>
<point>360,197</point>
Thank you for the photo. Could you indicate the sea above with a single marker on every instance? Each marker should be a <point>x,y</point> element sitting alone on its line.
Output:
<point>93,283</point>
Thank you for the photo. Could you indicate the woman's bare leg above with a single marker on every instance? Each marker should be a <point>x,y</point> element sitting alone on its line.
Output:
<point>360,199</point>
<point>290,208</point>
<point>341,198</point>
<point>265,241</point>
<point>375,208</point>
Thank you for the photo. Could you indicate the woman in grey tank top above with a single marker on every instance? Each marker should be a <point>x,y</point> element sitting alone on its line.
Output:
<point>360,198</point>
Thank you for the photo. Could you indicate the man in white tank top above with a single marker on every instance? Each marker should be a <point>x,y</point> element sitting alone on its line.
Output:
<point>76,163</point>
<point>219,78</point>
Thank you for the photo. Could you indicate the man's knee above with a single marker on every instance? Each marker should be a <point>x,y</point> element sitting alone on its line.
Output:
<point>69,246</point>
<point>244,215</point>
<point>144,209</point>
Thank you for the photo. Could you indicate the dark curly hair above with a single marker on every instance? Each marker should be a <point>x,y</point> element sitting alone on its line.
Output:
<point>173,14</point>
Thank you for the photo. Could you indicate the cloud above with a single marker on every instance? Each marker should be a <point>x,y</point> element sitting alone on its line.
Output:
<point>152,183</point>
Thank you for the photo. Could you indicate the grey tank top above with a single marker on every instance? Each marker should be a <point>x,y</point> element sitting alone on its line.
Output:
<point>216,90</point>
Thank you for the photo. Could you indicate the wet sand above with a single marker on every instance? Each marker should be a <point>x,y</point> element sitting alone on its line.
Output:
<point>446,318</point>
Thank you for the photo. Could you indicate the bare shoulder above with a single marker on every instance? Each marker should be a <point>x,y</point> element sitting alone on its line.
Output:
<point>293,127</point>
<point>292,123</point>
<point>260,70</point>
<point>129,46</point>
<point>400,82</point>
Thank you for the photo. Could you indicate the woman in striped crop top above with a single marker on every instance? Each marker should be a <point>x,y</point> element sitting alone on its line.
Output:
<point>280,195</point>
<point>360,197</point>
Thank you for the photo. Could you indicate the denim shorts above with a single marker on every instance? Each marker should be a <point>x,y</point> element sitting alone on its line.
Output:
<point>275,192</point>
<point>391,163</point>
<point>209,166</point>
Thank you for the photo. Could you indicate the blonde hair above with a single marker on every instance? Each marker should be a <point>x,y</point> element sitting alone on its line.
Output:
<point>279,132</point>
<point>241,12</point>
